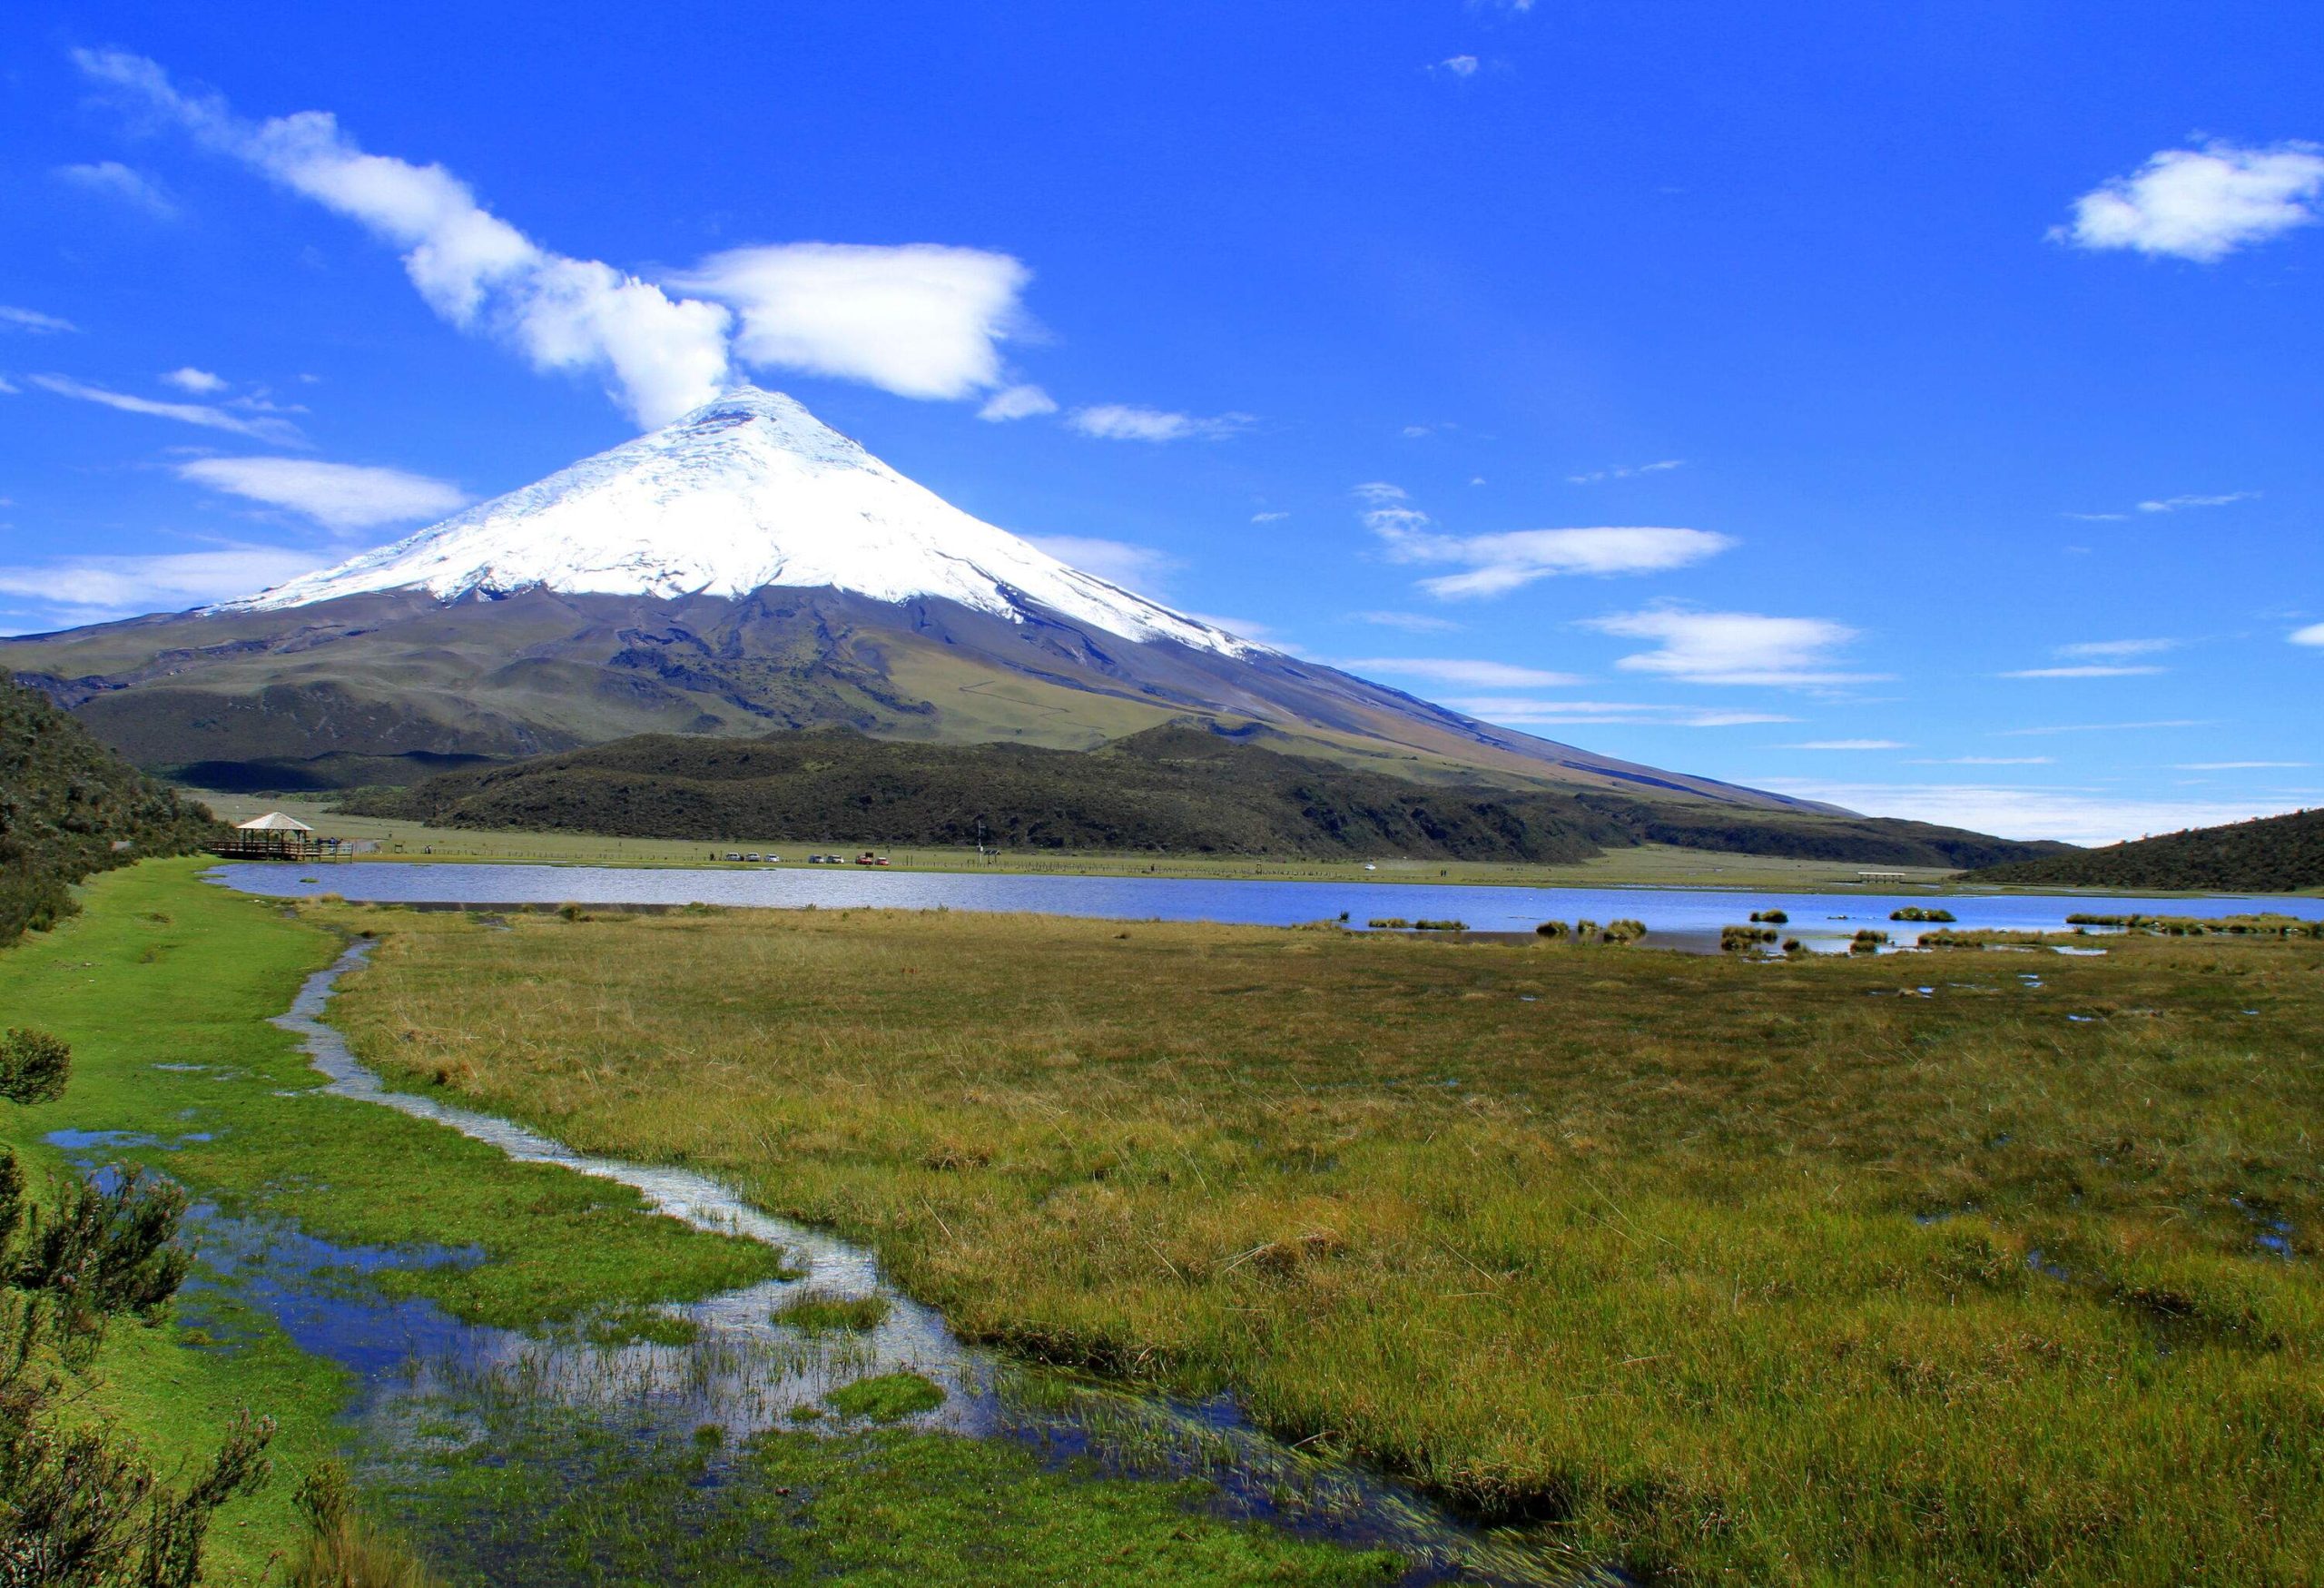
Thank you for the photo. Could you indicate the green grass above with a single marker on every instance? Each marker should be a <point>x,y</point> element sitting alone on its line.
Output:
<point>812,1312</point>
<point>889,1398</point>
<point>1734,1270</point>
<point>161,969</point>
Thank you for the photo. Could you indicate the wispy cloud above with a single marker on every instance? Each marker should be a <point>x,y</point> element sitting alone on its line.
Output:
<point>1274,518</point>
<point>200,383</point>
<point>2233,766</point>
<point>1503,562</point>
<point>2118,647</point>
<point>1735,647</point>
<point>281,431</point>
<point>116,181</point>
<point>1459,670</point>
<point>1523,712</point>
<point>2086,670</point>
<point>2201,204</point>
<point>1626,472</point>
<point>1118,421</point>
<point>921,319</point>
<point>96,588</point>
<point>2075,815</point>
<point>1848,745</point>
<point>2100,728</point>
<point>1459,65</point>
<point>1982,761</point>
<point>2174,504</point>
<point>1119,562</point>
<point>33,320</point>
<point>1017,402</point>
<point>1410,622</point>
<point>2313,634</point>
<point>338,496</point>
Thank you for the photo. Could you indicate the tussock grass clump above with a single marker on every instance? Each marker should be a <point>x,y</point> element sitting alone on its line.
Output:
<point>817,1312</point>
<point>343,1549</point>
<point>1734,938</point>
<point>1772,917</point>
<point>889,1398</point>
<point>1867,940</point>
<point>1715,1268</point>
<point>1922,912</point>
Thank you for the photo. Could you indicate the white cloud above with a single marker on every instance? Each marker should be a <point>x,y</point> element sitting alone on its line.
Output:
<point>338,496</point>
<point>2201,204</point>
<point>2118,647</point>
<point>1518,712</point>
<point>1457,670</point>
<point>1459,65</point>
<point>33,320</point>
<point>2100,727</point>
<point>923,320</point>
<point>1017,402</point>
<point>1276,517</point>
<point>2074,815</point>
<point>1507,561</point>
<point>1734,647</point>
<point>2173,504</point>
<point>2313,634</point>
<point>1848,745</point>
<point>200,383</point>
<point>2231,765</point>
<point>1410,622</point>
<point>1117,562</point>
<point>281,431</point>
<point>115,180</point>
<point>7,387</point>
<point>472,268</point>
<point>96,588</point>
<point>1115,422</point>
<point>2085,670</point>
<point>1985,761</point>
<point>2097,517</point>
<point>1629,471</point>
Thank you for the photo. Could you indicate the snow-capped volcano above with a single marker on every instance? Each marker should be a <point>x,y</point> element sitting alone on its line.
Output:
<point>748,491</point>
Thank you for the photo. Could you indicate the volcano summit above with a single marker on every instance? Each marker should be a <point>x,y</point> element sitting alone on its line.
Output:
<point>743,569</point>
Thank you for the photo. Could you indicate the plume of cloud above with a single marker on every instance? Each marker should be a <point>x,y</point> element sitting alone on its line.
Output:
<point>1270,518</point>
<point>1734,647</point>
<point>279,431</point>
<point>2117,649</point>
<point>2075,815</point>
<point>2173,504</point>
<point>2201,204</point>
<point>472,268</point>
<point>338,496</point>
<point>1521,712</point>
<point>1410,622</point>
<point>1116,421</point>
<point>1017,402</point>
<point>1848,745</point>
<point>1497,564</point>
<point>921,320</point>
<point>200,383</point>
<point>116,181</point>
<point>33,320</point>
<point>1629,471</point>
<point>1459,65</point>
<point>2313,634</point>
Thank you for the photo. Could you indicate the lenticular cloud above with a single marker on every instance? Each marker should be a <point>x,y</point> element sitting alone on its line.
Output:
<point>921,321</point>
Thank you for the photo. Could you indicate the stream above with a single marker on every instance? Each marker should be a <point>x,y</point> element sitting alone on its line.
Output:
<point>429,1389</point>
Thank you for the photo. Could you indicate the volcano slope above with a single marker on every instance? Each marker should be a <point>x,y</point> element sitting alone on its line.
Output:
<point>1183,789</point>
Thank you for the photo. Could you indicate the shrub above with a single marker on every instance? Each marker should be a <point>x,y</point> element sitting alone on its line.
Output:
<point>1772,917</point>
<point>32,1066</point>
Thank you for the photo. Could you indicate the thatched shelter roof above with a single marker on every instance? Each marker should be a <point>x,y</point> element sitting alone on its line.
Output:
<point>272,822</point>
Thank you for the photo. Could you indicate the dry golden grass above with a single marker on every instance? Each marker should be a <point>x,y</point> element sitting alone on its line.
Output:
<point>1612,1240</point>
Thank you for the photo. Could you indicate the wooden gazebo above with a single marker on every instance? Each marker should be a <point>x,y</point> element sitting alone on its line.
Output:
<point>274,836</point>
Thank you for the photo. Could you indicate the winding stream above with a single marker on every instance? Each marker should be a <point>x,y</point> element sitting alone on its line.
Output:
<point>421,1374</point>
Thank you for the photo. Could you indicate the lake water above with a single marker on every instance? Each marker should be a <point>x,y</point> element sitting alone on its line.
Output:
<point>1674,917</point>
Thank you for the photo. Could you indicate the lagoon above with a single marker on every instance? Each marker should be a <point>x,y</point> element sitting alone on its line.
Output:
<point>1674,917</point>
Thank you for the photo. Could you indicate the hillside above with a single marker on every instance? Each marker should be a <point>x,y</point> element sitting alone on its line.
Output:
<point>2273,854</point>
<point>1178,789</point>
<point>70,807</point>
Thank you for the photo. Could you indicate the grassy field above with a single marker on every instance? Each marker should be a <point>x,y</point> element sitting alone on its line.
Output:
<point>1739,1271</point>
<point>1648,865</point>
<point>163,969</point>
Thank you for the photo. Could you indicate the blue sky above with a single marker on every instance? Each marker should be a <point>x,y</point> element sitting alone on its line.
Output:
<point>1913,406</point>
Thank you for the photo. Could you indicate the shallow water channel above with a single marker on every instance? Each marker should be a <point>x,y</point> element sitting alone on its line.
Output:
<point>430,1388</point>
